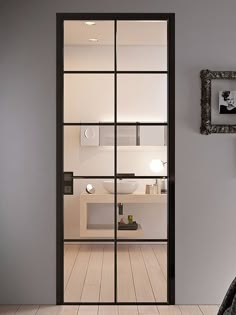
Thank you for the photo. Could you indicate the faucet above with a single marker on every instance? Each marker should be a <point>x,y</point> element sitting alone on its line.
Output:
<point>120,207</point>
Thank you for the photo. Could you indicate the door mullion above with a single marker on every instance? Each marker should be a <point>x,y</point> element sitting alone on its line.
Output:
<point>115,161</point>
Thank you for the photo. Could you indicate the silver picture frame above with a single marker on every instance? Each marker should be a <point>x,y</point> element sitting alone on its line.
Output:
<point>207,76</point>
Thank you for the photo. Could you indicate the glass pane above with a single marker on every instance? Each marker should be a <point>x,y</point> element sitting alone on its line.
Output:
<point>89,215</point>
<point>89,269</point>
<point>142,45</point>
<point>88,98</point>
<point>142,208</point>
<point>83,153</point>
<point>88,273</point>
<point>88,45</point>
<point>142,97</point>
<point>142,272</point>
<point>126,135</point>
<point>150,144</point>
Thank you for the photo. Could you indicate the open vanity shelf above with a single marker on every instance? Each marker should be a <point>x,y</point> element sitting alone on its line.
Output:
<point>107,230</point>
<point>100,230</point>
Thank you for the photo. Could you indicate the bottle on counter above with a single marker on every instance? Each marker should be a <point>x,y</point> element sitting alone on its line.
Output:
<point>163,186</point>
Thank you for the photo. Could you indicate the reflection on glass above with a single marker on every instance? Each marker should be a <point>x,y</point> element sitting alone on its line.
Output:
<point>142,45</point>
<point>142,97</point>
<point>88,46</point>
<point>83,155</point>
<point>88,97</point>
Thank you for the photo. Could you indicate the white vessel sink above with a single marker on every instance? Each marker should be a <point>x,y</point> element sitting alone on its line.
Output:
<point>123,186</point>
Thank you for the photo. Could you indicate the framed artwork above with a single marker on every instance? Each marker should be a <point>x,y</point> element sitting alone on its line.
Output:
<point>218,102</point>
<point>227,102</point>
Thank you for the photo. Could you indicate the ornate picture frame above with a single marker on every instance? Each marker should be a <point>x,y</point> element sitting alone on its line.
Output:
<point>206,86</point>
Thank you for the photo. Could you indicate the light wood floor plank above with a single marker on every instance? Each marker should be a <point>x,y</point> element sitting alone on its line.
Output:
<point>156,276</point>
<point>108,310</point>
<point>161,255</point>
<point>48,310</point>
<point>147,310</point>
<point>125,285</point>
<point>127,310</point>
<point>190,310</point>
<point>133,276</point>
<point>209,309</point>
<point>169,310</point>
<point>88,310</point>
<point>27,310</point>
<point>143,289</point>
<point>76,281</point>
<point>107,279</point>
<point>69,261</point>
<point>8,309</point>
<point>66,247</point>
<point>68,310</point>
<point>92,284</point>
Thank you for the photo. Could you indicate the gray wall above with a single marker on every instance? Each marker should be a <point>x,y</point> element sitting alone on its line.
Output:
<point>205,165</point>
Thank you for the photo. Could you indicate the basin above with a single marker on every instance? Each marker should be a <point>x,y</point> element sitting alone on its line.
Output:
<point>123,186</point>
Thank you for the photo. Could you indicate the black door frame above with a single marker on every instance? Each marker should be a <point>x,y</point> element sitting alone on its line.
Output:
<point>170,18</point>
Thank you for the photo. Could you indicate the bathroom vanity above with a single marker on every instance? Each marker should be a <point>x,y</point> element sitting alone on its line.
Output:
<point>106,231</point>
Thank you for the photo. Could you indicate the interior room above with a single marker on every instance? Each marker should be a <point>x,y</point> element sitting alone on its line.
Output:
<point>115,153</point>
<point>117,137</point>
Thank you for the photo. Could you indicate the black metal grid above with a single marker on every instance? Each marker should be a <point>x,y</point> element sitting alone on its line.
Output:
<point>115,164</point>
<point>118,124</point>
<point>119,240</point>
<point>61,17</point>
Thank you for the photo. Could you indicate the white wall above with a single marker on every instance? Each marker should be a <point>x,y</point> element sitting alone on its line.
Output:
<point>205,187</point>
<point>98,57</point>
<point>90,97</point>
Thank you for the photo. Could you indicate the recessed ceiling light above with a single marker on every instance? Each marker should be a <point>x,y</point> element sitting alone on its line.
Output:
<point>93,39</point>
<point>90,23</point>
<point>148,21</point>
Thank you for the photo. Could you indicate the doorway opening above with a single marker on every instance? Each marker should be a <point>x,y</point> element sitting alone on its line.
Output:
<point>115,159</point>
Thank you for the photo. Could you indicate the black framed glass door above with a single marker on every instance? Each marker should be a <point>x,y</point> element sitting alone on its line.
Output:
<point>115,159</point>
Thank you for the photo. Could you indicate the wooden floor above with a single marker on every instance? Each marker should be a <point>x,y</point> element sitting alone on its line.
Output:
<point>89,276</point>
<point>141,273</point>
<point>108,310</point>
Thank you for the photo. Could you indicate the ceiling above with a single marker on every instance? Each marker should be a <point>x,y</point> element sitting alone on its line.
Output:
<point>128,33</point>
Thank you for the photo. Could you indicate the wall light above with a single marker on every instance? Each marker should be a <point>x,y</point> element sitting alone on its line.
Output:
<point>90,23</point>
<point>156,165</point>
